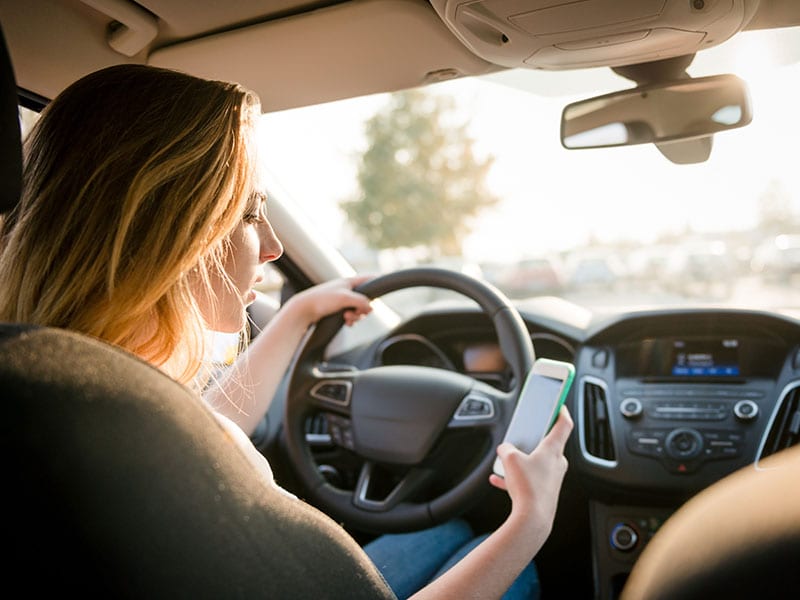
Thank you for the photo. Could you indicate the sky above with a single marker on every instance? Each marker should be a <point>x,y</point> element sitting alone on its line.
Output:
<point>554,199</point>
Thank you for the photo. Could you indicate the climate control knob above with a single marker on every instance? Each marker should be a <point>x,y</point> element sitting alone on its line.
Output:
<point>684,443</point>
<point>745,410</point>
<point>631,408</point>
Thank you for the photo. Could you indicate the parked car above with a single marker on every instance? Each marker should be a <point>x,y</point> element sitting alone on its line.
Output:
<point>668,400</point>
<point>594,271</point>
<point>529,277</point>
<point>703,269</point>
<point>778,260</point>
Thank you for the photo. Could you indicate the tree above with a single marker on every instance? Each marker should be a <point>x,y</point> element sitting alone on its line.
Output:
<point>420,182</point>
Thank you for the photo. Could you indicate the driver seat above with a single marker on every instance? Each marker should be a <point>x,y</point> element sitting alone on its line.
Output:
<point>120,482</point>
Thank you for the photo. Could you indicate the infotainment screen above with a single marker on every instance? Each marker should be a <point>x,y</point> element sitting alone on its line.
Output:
<point>705,357</point>
<point>701,357</point>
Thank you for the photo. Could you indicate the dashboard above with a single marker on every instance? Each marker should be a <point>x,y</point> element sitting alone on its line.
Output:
<point>669,402</point>
<point>665,403</point>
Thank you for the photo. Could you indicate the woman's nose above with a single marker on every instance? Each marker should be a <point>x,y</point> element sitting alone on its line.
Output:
<point>271,247</point>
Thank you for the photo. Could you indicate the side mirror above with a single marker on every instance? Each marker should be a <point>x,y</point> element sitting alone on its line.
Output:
<point>660,112</point>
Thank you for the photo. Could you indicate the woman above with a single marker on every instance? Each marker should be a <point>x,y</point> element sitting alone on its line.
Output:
<point>141,224</point>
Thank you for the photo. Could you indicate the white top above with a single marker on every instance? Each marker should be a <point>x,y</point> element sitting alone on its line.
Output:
<point>255,457</point>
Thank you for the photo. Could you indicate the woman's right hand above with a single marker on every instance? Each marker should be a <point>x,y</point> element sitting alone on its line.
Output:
<point>533,481</point>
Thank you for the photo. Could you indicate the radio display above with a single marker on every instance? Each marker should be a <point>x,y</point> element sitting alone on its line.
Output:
<point>705,358</point>
<point>728,357</point>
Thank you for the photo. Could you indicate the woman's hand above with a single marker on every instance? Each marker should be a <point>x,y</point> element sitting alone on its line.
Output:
<point>534,480</point>
<point>332,296</point>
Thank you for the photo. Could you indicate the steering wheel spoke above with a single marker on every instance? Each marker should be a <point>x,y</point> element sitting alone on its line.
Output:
<point>364,495</point>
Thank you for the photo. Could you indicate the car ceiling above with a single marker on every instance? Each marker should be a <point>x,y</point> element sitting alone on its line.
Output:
<point>292,53</point>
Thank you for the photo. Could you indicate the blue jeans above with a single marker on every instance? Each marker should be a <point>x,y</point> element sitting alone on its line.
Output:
<point>409,561</point>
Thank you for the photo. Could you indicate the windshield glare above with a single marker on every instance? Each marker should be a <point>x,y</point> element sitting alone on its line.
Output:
<point>472,176</point>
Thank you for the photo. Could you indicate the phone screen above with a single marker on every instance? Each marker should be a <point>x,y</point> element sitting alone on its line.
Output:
<point>534,416</point>
<point>538,406</point>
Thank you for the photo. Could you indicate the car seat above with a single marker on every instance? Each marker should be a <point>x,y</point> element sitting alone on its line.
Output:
<point>739,538</point>
<point>119,482</point>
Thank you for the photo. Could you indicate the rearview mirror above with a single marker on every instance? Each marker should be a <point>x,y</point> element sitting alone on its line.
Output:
<point>659,112</point>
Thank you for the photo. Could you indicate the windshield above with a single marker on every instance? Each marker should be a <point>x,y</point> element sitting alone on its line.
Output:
<point>470,174</point>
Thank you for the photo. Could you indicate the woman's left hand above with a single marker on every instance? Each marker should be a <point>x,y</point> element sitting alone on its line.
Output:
<point>332,296</point>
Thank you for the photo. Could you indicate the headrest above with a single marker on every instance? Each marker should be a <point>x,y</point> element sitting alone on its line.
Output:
<point>10,143</point>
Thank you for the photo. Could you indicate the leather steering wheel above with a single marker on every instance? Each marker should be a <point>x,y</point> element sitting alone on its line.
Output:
<point>394,415</point>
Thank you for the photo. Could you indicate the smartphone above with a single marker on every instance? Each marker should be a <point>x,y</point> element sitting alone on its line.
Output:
<point>543,393</point>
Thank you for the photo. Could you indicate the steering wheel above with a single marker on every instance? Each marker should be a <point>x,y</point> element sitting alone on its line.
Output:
<point>392,416</point>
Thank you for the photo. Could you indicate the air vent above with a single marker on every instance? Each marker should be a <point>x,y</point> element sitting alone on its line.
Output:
<point>597,443</point>
<point>784,431</point>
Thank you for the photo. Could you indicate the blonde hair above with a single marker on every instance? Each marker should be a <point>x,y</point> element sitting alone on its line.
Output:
<point>134,177</point>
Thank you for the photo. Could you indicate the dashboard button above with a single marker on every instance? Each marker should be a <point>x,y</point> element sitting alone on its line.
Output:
<point>631,408</point>
<point>600,359</point>
<point>745,410</point>
<point>684,444</point>
<point>623,537</point>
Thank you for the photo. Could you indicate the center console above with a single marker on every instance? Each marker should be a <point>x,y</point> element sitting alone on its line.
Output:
<point>658,419</point>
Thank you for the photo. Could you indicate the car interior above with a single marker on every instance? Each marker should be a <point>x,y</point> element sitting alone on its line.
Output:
<point>684,463</point>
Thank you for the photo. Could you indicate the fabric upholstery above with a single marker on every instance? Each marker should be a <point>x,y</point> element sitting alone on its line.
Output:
<point>739,538</point>
<point>119,481</point>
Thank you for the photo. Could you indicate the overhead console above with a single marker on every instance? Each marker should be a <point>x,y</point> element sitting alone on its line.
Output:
<point>565,34</point>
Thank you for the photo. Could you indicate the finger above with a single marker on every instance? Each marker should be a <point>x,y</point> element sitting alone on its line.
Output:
<point>504,449</point>
<point>511,457</point>
<point>352,317</point>
<point>358,280</point>
<point>357,304</point>
<point>498,482</point>
<point>559,434</point>
<point>565,417</point>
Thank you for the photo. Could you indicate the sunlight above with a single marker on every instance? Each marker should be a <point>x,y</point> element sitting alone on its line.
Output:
<point>752,58</point>
<point>557,202</point>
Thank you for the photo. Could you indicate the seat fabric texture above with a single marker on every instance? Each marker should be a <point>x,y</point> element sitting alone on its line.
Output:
<point>739,538</point>
<point>120,481</point>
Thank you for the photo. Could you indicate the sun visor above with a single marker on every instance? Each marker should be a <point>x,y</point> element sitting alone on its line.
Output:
<point>345,50</point>
<point>570,34</point>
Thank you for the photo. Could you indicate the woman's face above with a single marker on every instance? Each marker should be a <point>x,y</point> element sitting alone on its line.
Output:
<point>252,243</point>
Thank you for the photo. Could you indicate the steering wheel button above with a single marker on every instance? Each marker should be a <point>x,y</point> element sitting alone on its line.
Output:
<point>336,392</point>
<point>475,407</point>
